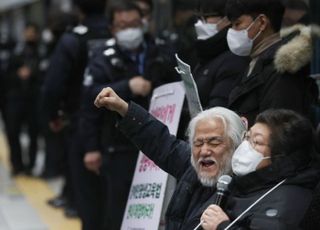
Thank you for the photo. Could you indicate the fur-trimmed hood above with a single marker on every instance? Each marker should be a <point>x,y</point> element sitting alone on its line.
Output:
<point>297,53</point>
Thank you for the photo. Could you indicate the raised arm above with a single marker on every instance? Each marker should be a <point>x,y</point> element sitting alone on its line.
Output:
<point>148,134</point>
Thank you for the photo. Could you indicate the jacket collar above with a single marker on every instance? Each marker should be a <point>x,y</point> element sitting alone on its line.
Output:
<point>296,52</point>
<point>212,47</point>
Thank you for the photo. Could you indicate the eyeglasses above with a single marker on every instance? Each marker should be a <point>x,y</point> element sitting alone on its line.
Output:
<point>211,141</point>
<point>254,142</point>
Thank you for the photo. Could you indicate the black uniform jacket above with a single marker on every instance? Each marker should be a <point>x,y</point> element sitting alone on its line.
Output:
<point>63,82</point>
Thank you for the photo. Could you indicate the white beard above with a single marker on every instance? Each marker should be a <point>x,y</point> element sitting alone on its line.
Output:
<point>210,181</point>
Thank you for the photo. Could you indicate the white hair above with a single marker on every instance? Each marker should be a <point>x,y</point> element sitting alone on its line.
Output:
<point>234,127</point>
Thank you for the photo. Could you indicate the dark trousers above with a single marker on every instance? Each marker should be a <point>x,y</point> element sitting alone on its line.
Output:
<point>68,190</point>
<point>119,170</point>
<point>90,189</point>
<point>20,113</point>
<point>55,150</point>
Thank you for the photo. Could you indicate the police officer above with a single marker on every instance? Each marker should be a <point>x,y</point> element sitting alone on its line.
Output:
<point>62,87</point>
<point>21,102</point>
<point>6,51</point>
<point>131,64</point>
<point>58,23</point>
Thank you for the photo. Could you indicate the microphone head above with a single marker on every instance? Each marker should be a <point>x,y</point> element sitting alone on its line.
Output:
<point>223,182</point>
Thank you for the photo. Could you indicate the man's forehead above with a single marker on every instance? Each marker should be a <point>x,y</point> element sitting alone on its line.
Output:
<point>126,16</point>
<point>210,127</point>
<point>242,18</point>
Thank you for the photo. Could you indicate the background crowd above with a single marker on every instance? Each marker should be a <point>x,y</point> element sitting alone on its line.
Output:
<point>244,56</point>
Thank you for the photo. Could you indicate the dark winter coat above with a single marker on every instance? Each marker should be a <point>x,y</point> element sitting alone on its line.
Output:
<point>280,79</point>
<point>285,206</point>
<point>217,70</point>
<point>18,89</point>
<point>62,85</point>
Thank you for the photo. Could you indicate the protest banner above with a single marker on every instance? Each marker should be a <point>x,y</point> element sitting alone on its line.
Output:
<point>147,191</point>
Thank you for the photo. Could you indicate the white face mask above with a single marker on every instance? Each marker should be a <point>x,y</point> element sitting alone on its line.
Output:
<point>239,42</point>
<point>246,159</point>
<point>206,30</point>
<point>130,38</point>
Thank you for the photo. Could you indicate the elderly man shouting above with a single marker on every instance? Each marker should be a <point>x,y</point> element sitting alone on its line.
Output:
<point>214,134</point>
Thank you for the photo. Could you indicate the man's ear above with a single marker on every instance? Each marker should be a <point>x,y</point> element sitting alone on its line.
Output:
<point>264,20</point>
<point>245,121</point>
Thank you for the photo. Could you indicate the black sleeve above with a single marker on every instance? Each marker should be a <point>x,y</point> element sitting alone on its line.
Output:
<point>153,139</point>
<point>99,76</point>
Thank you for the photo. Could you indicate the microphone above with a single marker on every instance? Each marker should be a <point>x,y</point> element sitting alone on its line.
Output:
<point>222,190</point>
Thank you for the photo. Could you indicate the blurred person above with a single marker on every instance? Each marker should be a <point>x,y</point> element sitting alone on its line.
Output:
<point>279,146</point>
<point>58,22</point>
<point>213,136</point>
<point>278,74</point>
<point>296,12</point>
<point>6,51</point>
<point>146,7</point>
<point>21,101</point>
<point>148,25</point>
<point>133,65</point>
<point>181,35</point>
<point>62,92</point>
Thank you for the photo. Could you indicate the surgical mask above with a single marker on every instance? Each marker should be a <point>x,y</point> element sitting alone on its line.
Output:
<point>246,159</point>
<point>130,38</point>
<point>239,42</point>
<point>206,30</point>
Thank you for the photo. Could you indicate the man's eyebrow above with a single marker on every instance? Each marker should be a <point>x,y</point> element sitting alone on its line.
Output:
<point>210,138</point>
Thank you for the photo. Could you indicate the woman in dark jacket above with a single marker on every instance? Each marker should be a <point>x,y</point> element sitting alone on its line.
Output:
<point>277,153</point>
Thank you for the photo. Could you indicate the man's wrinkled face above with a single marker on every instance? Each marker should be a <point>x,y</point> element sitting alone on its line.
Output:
<point>211,151</point>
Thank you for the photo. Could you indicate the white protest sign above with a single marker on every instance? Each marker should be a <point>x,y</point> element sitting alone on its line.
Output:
<point>190,87</point>
<point>148,187</point>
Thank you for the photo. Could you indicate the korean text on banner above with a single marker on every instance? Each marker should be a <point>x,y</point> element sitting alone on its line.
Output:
<point>147,190</point>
